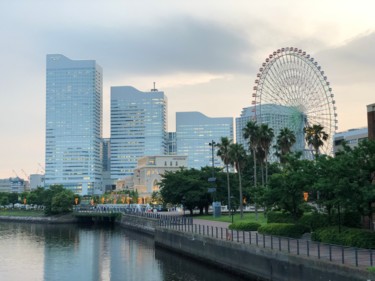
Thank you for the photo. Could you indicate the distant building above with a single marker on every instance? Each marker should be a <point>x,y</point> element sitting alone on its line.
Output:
<point>194,132</point>
<point>351,137</point>
<point>13,185</point>
<point>36,180</point>
<point>277,117</point>
<point>107,182</point>
<point>138,128</point>
<point>148,173</point>
<point>371,121</point>
<point>73,124</point>
<point>171,143</point>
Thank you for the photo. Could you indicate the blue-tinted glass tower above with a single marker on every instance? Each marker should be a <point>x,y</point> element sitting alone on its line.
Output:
<point>138,128</point>
<point>194,132</point>
<point>73,124</point>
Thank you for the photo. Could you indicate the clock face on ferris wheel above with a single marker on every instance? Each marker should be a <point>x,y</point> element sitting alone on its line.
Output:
<point>291,90</point>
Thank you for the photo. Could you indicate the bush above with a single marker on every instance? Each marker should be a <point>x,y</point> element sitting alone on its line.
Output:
<point>352,237</point>
<point>246,226</point>
<point>279,217</point>
<point>283,229</point>
<point>314,221</point>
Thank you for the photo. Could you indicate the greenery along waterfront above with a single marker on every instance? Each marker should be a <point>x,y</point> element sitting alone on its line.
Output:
<point>325,191</point>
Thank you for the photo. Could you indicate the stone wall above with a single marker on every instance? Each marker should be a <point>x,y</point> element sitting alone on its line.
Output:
<point>251,261</point>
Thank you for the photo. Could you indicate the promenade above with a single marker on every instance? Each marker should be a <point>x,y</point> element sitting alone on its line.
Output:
<point>350,256</point>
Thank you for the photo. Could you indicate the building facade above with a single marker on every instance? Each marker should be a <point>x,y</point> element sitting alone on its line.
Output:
<point>171,143</point>
<point>149,172</point>
<point>194,133</point>
<point>36,180</point>
<point>371,121</point>
<point>73,124</point>
<point>13,185</point>
<point>351,137</point>
<point>138,128</point>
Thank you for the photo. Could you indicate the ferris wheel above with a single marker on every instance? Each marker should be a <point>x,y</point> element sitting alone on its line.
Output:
<point>291,90</point>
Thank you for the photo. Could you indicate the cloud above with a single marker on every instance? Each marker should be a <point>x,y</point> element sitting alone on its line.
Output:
<point>176,45</point>
<point>352,62</point>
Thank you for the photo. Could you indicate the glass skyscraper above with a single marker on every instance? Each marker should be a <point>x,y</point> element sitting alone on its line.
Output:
<point>138,128</point>
<point>194,132</point>
<point>73,124</point>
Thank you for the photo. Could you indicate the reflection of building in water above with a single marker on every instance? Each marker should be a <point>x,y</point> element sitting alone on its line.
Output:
<point>148,173</point>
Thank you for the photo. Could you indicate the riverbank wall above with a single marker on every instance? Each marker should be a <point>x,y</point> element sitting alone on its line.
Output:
<point>255,262</point>
<point>247,260</point>
<point>47,220</point>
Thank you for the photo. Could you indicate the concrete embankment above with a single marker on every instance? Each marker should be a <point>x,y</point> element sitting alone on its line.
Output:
<point>255,262</point>
<point>47,220</point>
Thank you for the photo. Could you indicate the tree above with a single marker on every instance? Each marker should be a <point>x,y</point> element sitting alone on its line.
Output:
<point>251,133</point>
<point>315,136</point>
<point>188,187</point>
<point>285,189</point>
<point>224,153</point>
<point>62,202</point>
<point>284,142</point>
<point>238,158</point>
<point>265,139</point>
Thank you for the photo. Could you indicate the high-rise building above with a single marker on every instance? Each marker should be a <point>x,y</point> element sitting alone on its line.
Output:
<point>371,121</point>
<point>171,143</point>
<point>194,133</point>
<point>277,117</point>
<point>138,127</point>
<point>351,137</point>
<point>73,124</point>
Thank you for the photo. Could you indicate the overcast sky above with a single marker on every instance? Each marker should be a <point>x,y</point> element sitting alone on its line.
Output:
<point>203,54</point>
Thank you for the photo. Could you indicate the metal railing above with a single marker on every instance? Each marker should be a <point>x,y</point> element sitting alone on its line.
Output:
<point>334,253</point>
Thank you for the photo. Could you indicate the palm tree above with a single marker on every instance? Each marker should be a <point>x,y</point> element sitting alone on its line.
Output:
<point>315,136</point>
<point>251,132</point>
<point>223,151</point>
<point>284,142</point>
<point>238,157</point>
<point>265,139</point>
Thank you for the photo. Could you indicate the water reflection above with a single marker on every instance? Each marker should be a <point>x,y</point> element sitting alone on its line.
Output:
<point>71,252</point>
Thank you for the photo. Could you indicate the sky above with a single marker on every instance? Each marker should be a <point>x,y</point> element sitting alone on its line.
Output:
<point>203,54</point>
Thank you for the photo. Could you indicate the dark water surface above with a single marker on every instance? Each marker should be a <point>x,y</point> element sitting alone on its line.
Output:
<point>71,252</point>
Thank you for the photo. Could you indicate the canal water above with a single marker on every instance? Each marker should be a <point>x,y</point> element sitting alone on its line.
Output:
<point>71,252</point>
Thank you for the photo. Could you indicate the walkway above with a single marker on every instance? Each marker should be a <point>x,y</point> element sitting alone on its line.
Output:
<point>357,257</point>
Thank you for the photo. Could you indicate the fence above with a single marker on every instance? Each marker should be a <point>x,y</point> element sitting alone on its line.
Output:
<point>339,254</point>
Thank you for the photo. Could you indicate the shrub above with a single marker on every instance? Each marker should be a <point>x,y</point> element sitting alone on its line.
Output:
<point>352,237</point>
<point>279,217</point>
<point>314,221</point>
<point>246,226</point>
<point>283,229</point>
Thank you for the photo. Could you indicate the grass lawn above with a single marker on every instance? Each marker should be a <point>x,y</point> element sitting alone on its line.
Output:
<point>22,213</point>
<point>247,217</point>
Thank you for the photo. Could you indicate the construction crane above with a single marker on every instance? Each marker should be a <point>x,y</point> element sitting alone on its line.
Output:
<point>27,176</point>
<point>43,170</point>
<point>14,172</point>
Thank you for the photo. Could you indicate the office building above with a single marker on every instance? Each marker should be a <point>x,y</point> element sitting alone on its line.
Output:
<point>73,124</point>
<point>371,121</point>
<point>36,180</point>
<point>351,137</point>
<point>13,185</point>
<point>138,128</point>
<point>171,143</point>
<point>194,132</point>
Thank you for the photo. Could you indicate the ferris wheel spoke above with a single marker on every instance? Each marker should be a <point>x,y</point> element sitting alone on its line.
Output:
<point>290,90</point>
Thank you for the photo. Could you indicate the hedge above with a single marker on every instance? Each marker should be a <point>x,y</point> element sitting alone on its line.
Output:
<point>279,217</point>
<point>246,226</point>
<point>283,229</point>
<point>352,237</point>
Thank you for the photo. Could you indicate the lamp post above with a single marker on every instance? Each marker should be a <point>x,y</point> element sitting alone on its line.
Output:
<point>183,204</point>
<point>213,179</point>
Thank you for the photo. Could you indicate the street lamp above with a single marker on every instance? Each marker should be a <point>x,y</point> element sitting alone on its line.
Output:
<point>213,180</point>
